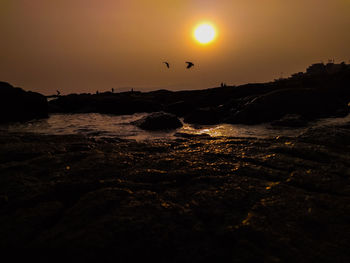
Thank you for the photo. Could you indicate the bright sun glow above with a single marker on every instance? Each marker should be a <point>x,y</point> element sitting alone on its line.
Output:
<point>205,33</point>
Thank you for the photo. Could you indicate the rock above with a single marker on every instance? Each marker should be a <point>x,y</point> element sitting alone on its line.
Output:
<point>204,116</point>
<point>337,136</point>
<point>159,121</point>
<point>107,103</point>
<point>310,96</point>
<point>290,120</point>
<point>19,105</point>
<point>196,199</point>
<point>128,106</point>
<point>308,103</point>
<point>180,108</point>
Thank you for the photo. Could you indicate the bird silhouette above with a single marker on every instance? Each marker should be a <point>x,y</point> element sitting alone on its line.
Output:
<point>167,64</point>
<point>189,64</point>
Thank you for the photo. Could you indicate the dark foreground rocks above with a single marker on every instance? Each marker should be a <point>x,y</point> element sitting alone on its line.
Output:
<point>194,199</point>
<point>19,105</point>
<point>159,121</point>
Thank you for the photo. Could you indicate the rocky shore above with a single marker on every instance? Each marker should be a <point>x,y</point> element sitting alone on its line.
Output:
<point>193,199</point>
<point>322,91</point>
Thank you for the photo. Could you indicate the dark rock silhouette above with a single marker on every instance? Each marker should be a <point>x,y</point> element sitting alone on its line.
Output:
<point>308,103</point>
<point>159,121</point>
<point>19,105</point>
<point>204,116</point>
<point>180,108</point>
<point>310,95</point>
<point>111,103</point>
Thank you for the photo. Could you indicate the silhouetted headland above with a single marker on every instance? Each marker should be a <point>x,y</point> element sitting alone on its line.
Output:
<point>195,198</point>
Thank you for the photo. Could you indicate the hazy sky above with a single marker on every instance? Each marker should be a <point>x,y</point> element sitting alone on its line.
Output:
<point>88,45</point>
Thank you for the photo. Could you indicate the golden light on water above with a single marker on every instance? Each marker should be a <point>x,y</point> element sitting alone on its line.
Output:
<point>205,33</point>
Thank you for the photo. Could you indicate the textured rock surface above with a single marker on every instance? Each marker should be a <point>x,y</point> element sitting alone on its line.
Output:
<point>159,121</point>
<point>309,103</point>
<point>193,199</point>
<point>290,120</point>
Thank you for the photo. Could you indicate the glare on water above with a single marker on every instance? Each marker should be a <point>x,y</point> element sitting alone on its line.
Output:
<point>103,125</point>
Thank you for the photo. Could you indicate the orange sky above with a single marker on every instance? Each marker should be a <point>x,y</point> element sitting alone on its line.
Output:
<point>88,45</point>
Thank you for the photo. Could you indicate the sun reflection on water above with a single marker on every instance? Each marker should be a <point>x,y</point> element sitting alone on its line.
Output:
<point>102,125</point>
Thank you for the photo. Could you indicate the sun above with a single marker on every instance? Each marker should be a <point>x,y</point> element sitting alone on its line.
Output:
<point>205,33</point>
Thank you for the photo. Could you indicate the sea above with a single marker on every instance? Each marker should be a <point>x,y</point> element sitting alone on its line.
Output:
<point>111,126</point>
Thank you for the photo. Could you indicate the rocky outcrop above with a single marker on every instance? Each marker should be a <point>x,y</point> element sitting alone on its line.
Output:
<point>308,95</point>
<point>308,103</point>
<point>180,108</point>
<point>19,105</point>
<point>159,121</point>
<point>205,116</point>
<point>290,120</point>
<point>109,103</point>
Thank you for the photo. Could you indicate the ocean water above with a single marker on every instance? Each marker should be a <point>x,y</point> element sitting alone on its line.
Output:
<point>110,126</point>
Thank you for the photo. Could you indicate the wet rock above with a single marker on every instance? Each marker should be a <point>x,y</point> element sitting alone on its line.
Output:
<point>204,116</point>
<point>19,105</point>
<point>336,136</point>
<point>290,120</point>
<point>308,103</point>
<point>195,198</point>
<point>27,221</point>
<point>159,121</point>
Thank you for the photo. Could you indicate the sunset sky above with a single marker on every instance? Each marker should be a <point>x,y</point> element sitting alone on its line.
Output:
<point>79,46</point>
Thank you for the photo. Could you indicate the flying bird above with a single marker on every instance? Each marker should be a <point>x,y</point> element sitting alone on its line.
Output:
<point>167,64</point>
<point>189,64</point>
